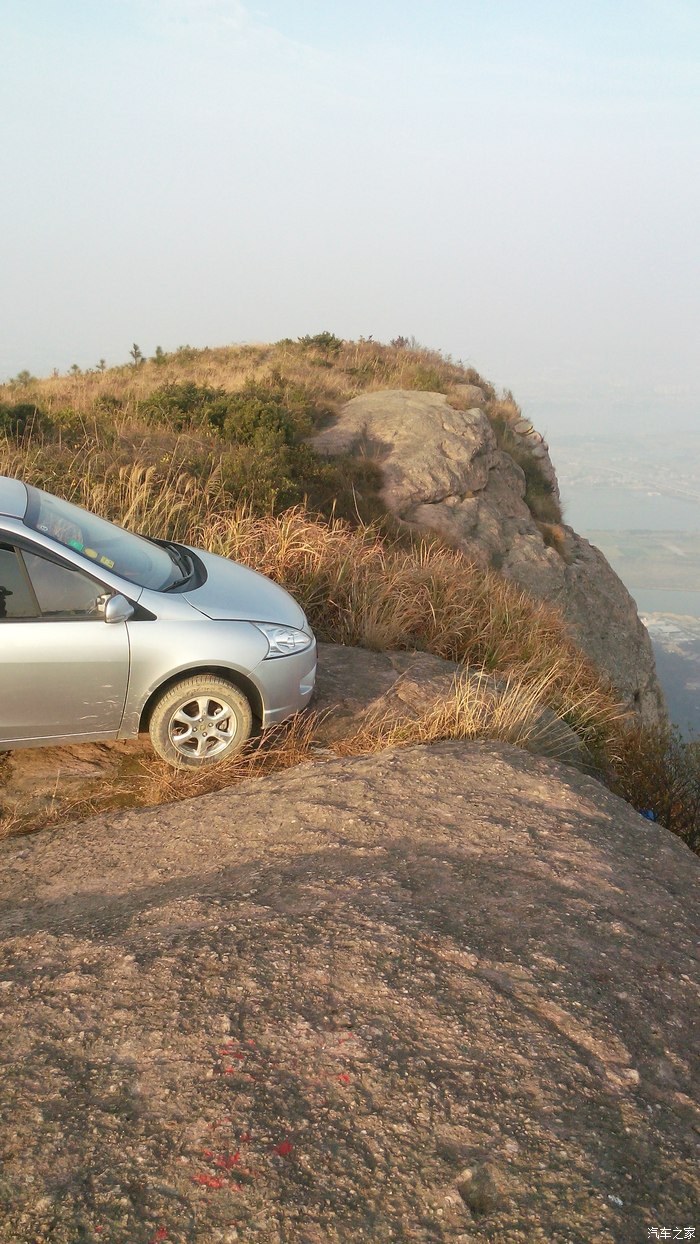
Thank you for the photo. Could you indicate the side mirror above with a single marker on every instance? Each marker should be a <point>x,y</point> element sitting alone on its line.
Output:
<point>118,609</point>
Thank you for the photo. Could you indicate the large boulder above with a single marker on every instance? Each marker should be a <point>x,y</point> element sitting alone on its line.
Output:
<point>444,473</point>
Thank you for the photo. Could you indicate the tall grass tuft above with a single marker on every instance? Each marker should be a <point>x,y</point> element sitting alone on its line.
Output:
<point>513,709</point>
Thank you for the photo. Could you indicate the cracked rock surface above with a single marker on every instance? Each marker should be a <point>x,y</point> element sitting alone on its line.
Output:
<point>438,994</point>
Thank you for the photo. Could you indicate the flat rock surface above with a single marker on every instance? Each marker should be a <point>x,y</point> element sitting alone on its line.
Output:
<point>438,994</point>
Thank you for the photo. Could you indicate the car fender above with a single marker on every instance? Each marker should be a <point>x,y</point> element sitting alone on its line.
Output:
<point>163,652</point>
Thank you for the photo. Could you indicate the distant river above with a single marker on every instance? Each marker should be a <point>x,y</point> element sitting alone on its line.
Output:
<point>603,507</point>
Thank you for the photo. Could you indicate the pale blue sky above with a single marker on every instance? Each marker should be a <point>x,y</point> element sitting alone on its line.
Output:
<point>516,182</point>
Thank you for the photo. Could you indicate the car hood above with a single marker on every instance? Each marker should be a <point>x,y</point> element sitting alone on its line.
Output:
<point>234,593</point>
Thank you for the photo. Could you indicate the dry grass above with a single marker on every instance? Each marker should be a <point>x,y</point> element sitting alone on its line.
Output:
<point>358,589</point>
<point>107,411</point>
<point>356,367</point>
<point>280,748</point>
<point>513,710</point>
<point>64,807</point>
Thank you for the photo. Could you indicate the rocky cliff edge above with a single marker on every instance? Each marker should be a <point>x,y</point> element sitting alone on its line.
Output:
<point>444,472</point>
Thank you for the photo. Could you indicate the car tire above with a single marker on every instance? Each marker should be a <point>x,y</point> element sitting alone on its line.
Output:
<point>200,721</point>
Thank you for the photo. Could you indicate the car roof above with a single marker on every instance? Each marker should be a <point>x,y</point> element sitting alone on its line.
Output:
<point>13,497</point>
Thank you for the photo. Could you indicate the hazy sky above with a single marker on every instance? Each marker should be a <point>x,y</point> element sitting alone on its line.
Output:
<point>516,182</point>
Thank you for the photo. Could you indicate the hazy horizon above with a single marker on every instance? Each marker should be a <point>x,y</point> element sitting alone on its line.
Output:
<point>516,184</point>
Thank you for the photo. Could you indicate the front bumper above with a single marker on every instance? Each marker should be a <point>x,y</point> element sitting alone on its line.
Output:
<point>287,684</point>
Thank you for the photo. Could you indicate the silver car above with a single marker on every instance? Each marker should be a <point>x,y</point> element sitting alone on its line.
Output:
<point>105,634</point>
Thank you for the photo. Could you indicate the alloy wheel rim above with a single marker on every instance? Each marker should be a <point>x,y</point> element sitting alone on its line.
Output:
<point>203,726</point>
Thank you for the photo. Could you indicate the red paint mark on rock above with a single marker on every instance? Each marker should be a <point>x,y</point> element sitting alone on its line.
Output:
<point>228,1160</point>
<point>284,1149</point>
<point>344,1078</point>
<point>209,1181</point>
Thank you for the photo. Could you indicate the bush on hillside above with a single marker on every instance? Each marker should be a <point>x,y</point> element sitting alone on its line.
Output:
<point>22,418</point>
<point>255,413</point>
<point>325,343</point>
<point>657,771</point>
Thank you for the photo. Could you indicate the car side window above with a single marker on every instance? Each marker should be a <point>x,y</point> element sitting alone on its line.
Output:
<point>64,593</point>
<point>16,596</point>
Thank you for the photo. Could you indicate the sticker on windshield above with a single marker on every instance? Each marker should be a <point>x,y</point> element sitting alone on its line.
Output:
<point>75,544</point>
<point>90,552</point>
<point>107,561</point>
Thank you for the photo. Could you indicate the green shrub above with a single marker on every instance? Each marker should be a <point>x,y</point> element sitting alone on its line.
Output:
<point>255,416</point>
<point>108,403</point>
<point>180,405</point>
<point>656,770</point>
<point>69,426</point>
<point>259,412</point>
<point>326,343</point>
<point>22,418</point>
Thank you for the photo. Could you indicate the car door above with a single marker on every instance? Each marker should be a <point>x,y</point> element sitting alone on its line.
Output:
<point>63,669</point>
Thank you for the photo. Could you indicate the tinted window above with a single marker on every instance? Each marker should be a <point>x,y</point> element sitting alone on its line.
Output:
<point>16,600</point>
<point>64,593</point>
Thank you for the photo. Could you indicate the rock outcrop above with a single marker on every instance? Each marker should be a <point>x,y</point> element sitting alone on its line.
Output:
<point>356,687</point>
<point>444,472</point>
<point>441,994</point>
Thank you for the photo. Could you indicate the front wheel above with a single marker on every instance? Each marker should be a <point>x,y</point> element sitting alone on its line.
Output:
<point>200,721</point>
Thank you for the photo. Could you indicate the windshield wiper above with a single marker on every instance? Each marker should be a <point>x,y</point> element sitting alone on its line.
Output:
<point>183,562</point>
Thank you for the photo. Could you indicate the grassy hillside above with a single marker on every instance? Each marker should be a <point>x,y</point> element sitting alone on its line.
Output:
<point>209,447</point>
<point>235,419</point>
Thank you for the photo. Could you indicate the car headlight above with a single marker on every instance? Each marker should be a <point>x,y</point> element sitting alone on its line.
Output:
<point>283,640</point>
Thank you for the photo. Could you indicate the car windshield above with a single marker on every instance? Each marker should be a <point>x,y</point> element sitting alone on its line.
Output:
<point>103,544</point>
